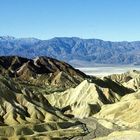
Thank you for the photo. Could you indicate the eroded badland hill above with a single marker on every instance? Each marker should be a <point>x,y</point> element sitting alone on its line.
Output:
<point>44,98</point>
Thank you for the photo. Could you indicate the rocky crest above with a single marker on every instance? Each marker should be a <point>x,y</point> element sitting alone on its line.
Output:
<point>41,71</point>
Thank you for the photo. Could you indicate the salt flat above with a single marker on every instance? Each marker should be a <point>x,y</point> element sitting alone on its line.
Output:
<point>104,70</point>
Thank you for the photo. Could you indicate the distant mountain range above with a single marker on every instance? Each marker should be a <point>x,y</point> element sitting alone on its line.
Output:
<point>76,51</point>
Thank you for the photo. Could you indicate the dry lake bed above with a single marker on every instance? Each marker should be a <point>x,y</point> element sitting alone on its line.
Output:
<point>108,70</point>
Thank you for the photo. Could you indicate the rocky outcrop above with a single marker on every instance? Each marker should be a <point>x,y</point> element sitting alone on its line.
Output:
<point>129,79</point>
<point>41,71</point>
<point>87,98</point>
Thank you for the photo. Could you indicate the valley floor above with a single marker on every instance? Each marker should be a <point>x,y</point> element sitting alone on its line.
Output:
<point>105,70</point>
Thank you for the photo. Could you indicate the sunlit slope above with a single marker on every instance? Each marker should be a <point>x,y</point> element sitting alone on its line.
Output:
<point>124,113</point>
<point>129,79</point>
<point>88,97</point>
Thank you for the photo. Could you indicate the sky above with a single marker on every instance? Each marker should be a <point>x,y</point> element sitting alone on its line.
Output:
<point>114,20</point>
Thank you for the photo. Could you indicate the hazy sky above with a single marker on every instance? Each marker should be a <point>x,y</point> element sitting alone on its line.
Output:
<point>44,19</point>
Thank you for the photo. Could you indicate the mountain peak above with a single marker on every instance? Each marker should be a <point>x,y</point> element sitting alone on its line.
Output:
<point>7,37</point>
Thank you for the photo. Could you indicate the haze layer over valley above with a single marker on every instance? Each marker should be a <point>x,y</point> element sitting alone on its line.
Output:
<point>105,70</point>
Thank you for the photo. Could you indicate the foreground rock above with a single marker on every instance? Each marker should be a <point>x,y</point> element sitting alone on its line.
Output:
<point>118,121</point>
<point>129,79</point>
<point>25,114</point>
<point>122,135</point>
<point>124,113</point>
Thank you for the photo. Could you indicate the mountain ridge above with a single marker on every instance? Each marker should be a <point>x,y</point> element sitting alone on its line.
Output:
<point>73,50</point>
<point>63,37</point>
<point>44,70</point>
